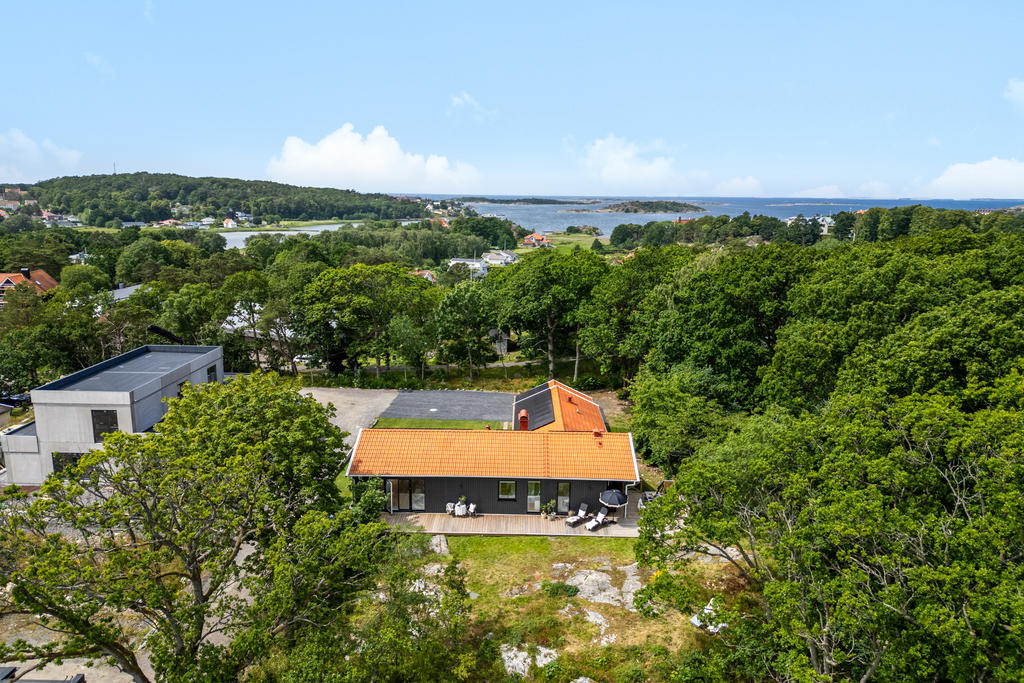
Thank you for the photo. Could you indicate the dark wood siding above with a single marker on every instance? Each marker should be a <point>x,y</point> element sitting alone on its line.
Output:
<point>484,492</point>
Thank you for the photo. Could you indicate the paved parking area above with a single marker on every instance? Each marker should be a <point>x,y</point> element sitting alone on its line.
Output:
<point>355,407</point>
<point>452,405</point>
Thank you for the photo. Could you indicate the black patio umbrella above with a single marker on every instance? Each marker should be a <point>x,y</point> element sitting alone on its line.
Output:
<point>613,498</point>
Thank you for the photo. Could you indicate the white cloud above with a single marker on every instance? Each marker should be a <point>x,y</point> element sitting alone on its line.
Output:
<point>1014,93</point>
<point>747,186</point>
<point>875,189</point>
<point>22,159</point>
<point>463,102</point>
<point>823,192</point>
<point>464,99</point>
<point>995,177</point>
<point>620,166</point>
<point>375,163</point>
<point>99,64</point>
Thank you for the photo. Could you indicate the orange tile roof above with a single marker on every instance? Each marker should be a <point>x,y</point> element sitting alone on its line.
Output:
<point>574,410</point>
<point>40,280</point>
<point>494,454</point>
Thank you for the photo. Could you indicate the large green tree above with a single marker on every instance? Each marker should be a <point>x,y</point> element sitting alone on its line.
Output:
<point>205,542</point>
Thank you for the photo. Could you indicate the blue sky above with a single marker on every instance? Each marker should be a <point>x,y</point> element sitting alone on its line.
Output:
<point>877,99</point>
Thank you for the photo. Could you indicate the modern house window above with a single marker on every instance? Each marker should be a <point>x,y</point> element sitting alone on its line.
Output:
<point>533,496</point>
<point>411,494</point>
<point>103,422</point>
<point>61,461</point>
<point>211,373</point>
<point>563,498</point>
<point>506,490</point>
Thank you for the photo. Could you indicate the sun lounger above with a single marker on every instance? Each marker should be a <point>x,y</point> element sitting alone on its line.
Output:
<point>449,508</point>
<point>580,515</point>
<point>472,510</point>
<point>598,521</point>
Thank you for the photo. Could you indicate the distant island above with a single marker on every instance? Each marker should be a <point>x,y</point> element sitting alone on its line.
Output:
<point>526,201</point>
<point>654,206</point>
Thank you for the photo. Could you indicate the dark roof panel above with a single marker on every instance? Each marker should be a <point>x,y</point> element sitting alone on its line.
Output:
<point>538,406</point>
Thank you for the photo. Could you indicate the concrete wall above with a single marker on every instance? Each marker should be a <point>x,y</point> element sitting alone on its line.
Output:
<point>484,492</point>
<point>21,455</point>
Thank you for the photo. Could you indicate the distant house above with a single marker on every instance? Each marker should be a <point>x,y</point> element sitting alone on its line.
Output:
<point>425,274</point>
<point>535,239</point>
<point>39,280</point>
<point>133,224</point>
<point>79,258</point>
<point>680,219</point>
<point>243,216</point>
<point>122,293</point>
<point>192,224</point>
<point>230,223</point>
<point>15,190</point>
<point>30,202</point>
<point>9,204</point>
<point>477,267</point>
<point>169,222</point>
<point>208,221</point>
<point>499,258</point>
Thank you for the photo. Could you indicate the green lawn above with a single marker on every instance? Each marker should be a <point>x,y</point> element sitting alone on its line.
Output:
<point>426,423</point>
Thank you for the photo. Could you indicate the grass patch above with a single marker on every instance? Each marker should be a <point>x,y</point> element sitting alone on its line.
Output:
<point>344,485</point>
<point>426,423</point>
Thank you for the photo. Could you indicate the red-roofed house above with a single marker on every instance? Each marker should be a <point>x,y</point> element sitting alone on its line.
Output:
<point>558,451</point>
<point>535,239</point>
<point>39,280</point>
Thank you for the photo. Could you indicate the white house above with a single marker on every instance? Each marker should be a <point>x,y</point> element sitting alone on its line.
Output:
<point>124,393</point>
<point>499,258</point>
<point>230,223</point>
<point>477,267</point>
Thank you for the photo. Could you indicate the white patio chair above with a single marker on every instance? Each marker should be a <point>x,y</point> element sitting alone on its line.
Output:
<point>598,521</point>
<point>580,515</point>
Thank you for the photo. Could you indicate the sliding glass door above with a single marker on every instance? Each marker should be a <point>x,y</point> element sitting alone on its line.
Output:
<point>563,498</point>
<point>533,496</point>
<point>409,494</point>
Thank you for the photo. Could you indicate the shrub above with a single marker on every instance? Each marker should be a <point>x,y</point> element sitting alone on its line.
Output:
<point>556,589</point>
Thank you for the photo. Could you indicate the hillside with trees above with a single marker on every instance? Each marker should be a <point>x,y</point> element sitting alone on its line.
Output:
<point>841,415</point>
<point>98,199</point>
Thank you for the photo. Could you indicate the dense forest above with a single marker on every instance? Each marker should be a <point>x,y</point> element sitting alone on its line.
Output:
<point>98,199</point>
<point>840,414</point>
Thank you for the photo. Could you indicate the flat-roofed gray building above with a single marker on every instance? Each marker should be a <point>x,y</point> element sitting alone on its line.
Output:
<point>125,393</point>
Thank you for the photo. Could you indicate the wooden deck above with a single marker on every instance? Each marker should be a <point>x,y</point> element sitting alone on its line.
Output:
<point>507,525</point>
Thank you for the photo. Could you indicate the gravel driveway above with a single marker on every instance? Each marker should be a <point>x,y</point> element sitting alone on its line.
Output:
<point>355,407</point>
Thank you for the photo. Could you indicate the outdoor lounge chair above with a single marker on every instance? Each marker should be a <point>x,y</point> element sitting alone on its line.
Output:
<point>449,508</point>
<point>598,521</point>
<point>472,510</point>
<point>580,515</point>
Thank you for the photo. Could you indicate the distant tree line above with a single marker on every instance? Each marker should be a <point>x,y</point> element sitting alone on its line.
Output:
<point>98,199</point>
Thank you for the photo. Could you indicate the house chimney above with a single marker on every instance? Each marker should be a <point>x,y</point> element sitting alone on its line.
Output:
<point>597,433</point>
<point>26,273</point>
<point>524,420</point>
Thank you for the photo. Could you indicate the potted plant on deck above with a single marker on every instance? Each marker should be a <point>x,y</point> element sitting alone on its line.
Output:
<point>548,510</point>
